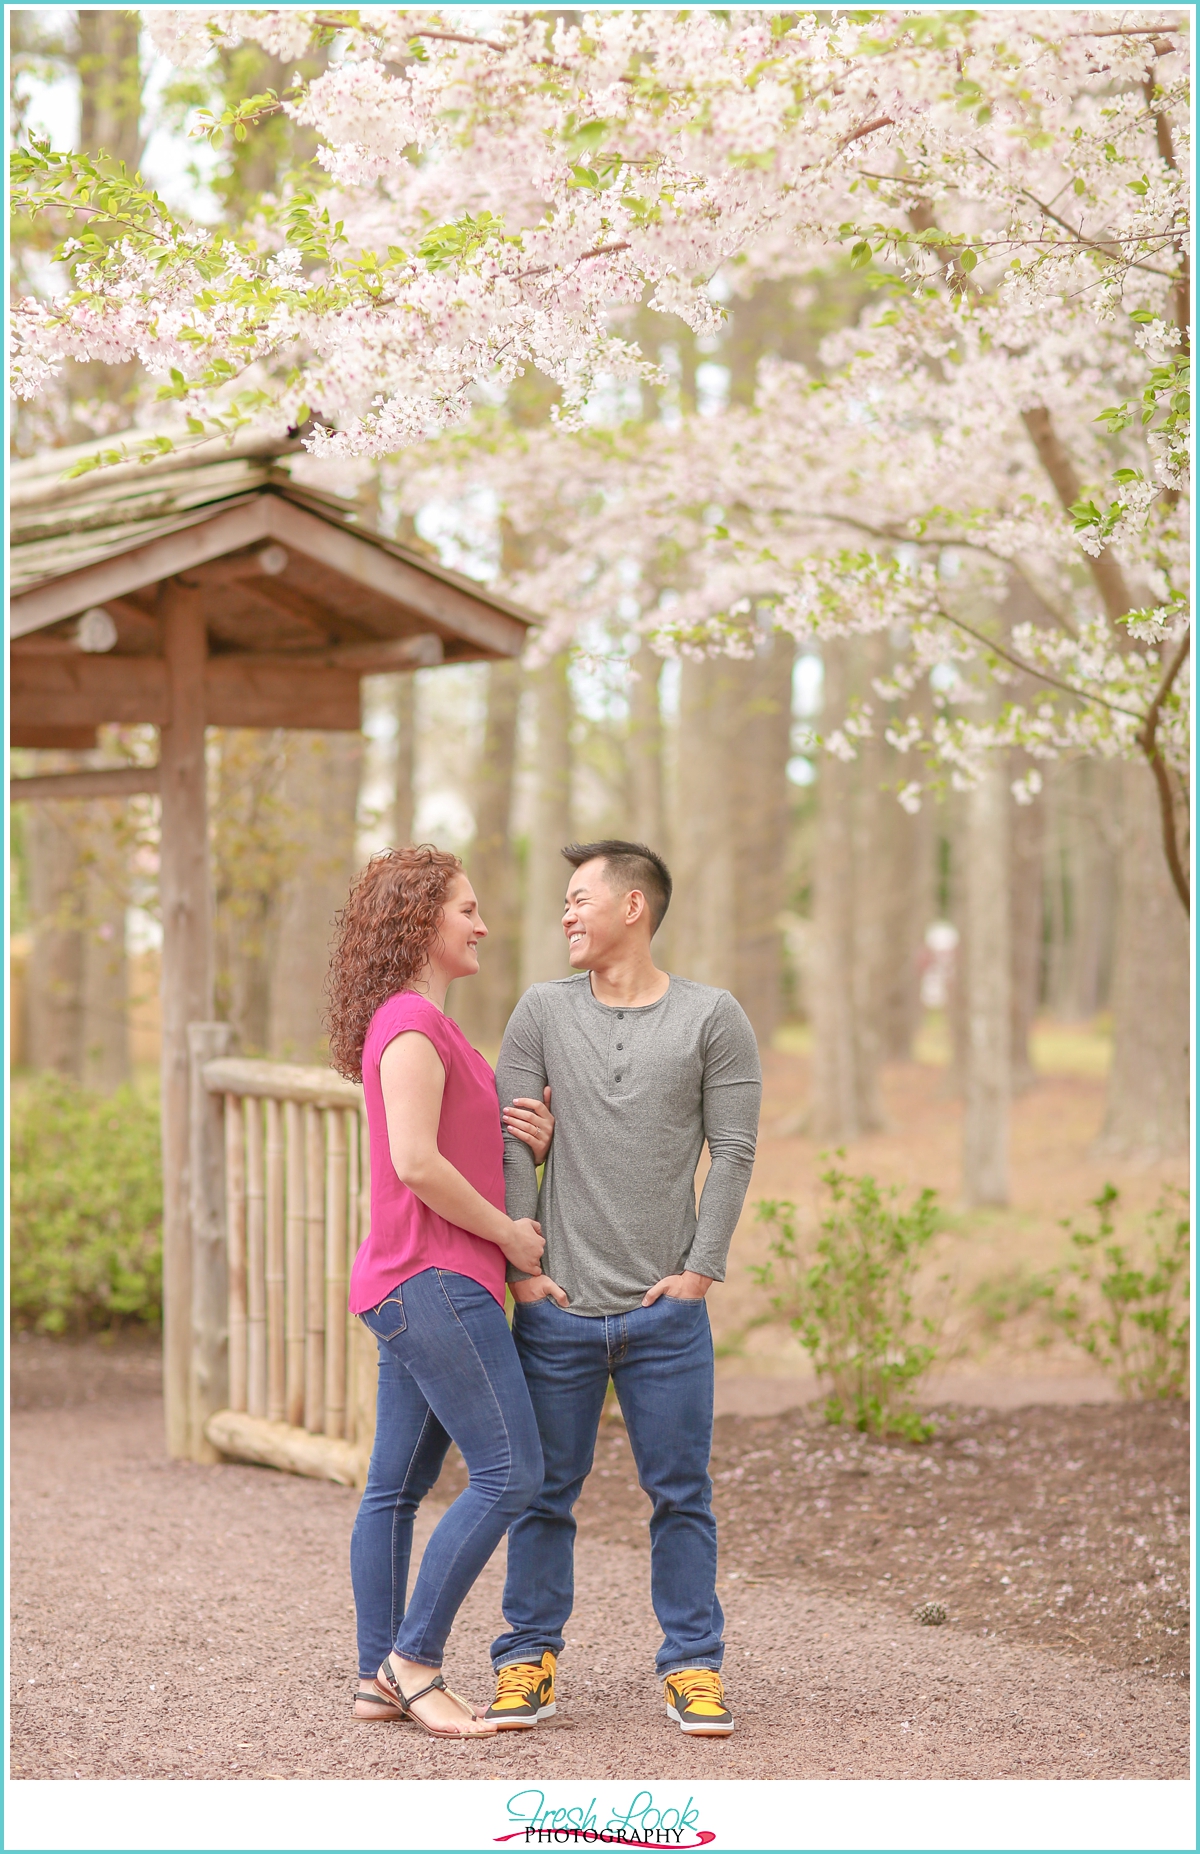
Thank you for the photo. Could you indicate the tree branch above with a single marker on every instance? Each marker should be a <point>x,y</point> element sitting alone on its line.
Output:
<point>1147,739</point>
<point>1031,669</point>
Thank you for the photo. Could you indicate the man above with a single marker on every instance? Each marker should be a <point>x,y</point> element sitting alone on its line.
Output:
<point>643,1068</point>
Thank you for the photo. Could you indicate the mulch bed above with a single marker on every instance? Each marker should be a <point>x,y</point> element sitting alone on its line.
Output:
<point>1062,1526</point>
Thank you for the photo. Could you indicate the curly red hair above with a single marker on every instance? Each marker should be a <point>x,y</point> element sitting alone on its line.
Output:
<point>384,934</point>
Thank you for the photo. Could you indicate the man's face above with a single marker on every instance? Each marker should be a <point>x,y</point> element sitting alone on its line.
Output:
<point>596,918</point>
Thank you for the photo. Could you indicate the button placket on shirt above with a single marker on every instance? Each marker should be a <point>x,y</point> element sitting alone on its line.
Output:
<point>619,1062</point>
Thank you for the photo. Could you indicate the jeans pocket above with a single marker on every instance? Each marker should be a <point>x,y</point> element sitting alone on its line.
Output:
<point>387,1319</point>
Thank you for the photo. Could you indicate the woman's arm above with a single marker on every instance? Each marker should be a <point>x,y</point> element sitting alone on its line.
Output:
<point>413,1081</point>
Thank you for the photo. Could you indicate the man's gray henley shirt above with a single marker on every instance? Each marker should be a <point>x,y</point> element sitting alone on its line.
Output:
<point>636,1092</point>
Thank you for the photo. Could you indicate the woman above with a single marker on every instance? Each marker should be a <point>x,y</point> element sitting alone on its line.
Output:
<point>428,1281</point>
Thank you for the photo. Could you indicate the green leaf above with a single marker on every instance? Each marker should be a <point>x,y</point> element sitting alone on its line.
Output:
<point>967,260</point>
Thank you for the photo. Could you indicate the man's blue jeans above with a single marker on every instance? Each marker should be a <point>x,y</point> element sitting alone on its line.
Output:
<point>447,1370</point>
<point>661,1360</point>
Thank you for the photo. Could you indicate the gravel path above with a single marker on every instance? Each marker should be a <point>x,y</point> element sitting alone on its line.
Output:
<point>171,1620</point>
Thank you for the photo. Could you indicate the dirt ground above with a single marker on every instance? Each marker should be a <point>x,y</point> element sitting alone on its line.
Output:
<point>172,1620</point>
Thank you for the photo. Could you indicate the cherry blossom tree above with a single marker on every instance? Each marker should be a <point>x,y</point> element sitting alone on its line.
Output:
<point>498,191</point>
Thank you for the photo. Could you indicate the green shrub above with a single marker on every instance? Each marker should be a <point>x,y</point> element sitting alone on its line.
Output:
<point>1133,1320</point>
<point>850,1300</point>
<point>86,1197</point>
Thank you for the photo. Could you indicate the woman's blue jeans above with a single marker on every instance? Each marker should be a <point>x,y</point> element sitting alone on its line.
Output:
<point>448,1371</point>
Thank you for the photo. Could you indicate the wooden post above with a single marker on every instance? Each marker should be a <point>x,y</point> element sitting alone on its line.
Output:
<point>256,1261</point>
<point>235,1229</point>
<point>364,1349</point>
<point>186,971</point>
<point>293,1119</point>
<point>276,1268</point>
<point>353,1206</point>
<point>336,1170</point>
<point>314,1272</point>
<point>209,1374</point>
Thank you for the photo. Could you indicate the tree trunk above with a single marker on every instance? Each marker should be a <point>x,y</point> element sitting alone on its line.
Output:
<point>873,955</point>
<point>105,975</point>
<point>544,950</point>
<point>482,1005</point>
<point>909,906</point>
<point>758,756</point>
<point>1080,885</point>
<point>836,1112</point>
<point>702,942</point>
<point>110,84</point>
<point>404,708</point>
<point>321,784</point>
<point>55,1007</point>
<point>1148,1093</point>
<point>1027,851</point>
<point>988,1079</point>
<point>646,750</point>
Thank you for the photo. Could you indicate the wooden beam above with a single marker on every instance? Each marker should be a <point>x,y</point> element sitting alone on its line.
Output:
<point>141,566</point>
<point>186,972</point>
<point>102,782</point>
<point>263,691</point>
<point>275,693</point>
<point>378,658</point>
<point>49,738</point>
<point>86,691</point>
<point>433,599</point>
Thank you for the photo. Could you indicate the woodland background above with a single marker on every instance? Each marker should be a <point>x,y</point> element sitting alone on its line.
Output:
<point>838,919</point>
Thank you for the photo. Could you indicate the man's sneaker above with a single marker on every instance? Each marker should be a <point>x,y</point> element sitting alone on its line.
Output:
<point>696,1701</point>
<point>524,1694</point>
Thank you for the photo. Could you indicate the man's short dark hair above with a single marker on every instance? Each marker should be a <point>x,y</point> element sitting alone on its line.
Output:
<point>631,865</point>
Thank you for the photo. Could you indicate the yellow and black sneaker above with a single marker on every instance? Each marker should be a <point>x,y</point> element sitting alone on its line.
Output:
<point>696,1701</point>
<point>524,1694</point>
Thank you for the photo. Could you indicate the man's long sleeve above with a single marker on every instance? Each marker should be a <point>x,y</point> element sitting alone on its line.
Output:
<point>732,1099</point>
<point>520,1072</point>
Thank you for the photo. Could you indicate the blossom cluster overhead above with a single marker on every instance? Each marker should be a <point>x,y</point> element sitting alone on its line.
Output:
<point>499,191</point>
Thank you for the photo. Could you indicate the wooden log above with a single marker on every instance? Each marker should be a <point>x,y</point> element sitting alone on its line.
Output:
<point>282,1445</point>
<point>256,1261</point>
<point>314,1287</point>
<point>186,972</point>
<point>296,1232</point>
<point>281,1081</point>
<point>235,1236</point>
<point>101,782</point>
<point>276,1268</point>
<point>209,1366</point>
<point>336,1207</point>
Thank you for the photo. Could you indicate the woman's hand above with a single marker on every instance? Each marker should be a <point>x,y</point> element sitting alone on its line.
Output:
<point>532,1122</point>
<point>539,1287</point>
<point>524,1244</point>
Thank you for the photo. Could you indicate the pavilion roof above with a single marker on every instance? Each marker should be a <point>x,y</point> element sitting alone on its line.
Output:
<point>301,593</point>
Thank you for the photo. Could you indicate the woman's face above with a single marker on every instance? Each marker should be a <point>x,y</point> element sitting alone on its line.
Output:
<point>460,930</point>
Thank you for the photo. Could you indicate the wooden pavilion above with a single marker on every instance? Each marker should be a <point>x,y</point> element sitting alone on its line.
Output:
<point>206,588</point>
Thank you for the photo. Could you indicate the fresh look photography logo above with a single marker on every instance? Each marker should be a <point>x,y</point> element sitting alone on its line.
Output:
<point>642,1822</point>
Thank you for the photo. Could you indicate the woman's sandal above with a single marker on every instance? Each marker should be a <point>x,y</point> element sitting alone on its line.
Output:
<point>386,1711</point>
<point>389,1687</point>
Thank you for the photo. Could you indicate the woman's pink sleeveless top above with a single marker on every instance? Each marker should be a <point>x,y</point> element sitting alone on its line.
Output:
<point>405,1235</point>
